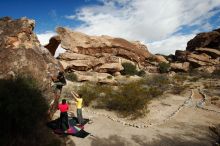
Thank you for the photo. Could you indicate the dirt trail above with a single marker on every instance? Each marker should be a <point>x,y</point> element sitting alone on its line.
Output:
<point>172,120</point>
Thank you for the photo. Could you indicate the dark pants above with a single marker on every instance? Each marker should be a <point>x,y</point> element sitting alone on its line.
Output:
<point>79,116</point>
<point>64,124</point>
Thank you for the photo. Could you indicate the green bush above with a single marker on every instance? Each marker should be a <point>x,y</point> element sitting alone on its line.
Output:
<point>131,99</point>
<point>71,76</point>
<point>109,77</point>
<point>129,69</point>
<point>128,100</point>
<point>164,67</point>
<point>154,92</point>
<point>141,73</point>
<point>89,93</point>
<point>24,112</point>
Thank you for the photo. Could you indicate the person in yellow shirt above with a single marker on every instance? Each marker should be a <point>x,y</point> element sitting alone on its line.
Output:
<point>79,102</point>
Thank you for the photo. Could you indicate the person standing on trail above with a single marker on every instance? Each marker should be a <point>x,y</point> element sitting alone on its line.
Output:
<point>63,107</point>
<point>79,102</point>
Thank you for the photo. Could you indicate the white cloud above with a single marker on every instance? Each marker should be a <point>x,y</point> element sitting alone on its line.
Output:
<point>45,37</point>
<point>59,50</point>
<point>207,26</point>
<point>170,45</point>
<point>144,20</point>
<point>44,40</point>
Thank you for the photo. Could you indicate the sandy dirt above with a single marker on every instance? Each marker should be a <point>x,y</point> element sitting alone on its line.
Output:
<point>173,120</point>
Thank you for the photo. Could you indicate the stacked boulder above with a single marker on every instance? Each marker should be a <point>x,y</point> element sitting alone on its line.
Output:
<point>202,53</point>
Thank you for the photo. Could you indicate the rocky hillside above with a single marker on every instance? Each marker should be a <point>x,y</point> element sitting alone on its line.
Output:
<point>202,53</point>
<point>22,54</point>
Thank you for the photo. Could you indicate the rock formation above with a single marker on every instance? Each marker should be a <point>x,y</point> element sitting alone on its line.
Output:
<point>202,53</point>
<point>104,78</point>
<point>105,54</point>
<point>22,54</point>
<point>100,54</point>
<point>53,44</point>
<point>205,40</point>
<point>80,43</point>
<point>160,59</point>
<point>183,67</point>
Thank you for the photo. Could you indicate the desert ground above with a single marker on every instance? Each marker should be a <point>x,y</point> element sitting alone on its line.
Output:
<point>184,120</point>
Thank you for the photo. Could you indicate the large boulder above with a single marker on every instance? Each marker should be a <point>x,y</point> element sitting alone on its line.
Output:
<point>202,52</point>
<point>95,77</point>
<point>160,59</point>
<point>97,53</point>
<point>109,67</point>
<point>214,53</point>
<point>207,69</point>
<point>184,67</point>
<point>22,54</point>
<point>205,40</point>
<point>54,42</point>
<point>181,55</point>
<point>201,60</point>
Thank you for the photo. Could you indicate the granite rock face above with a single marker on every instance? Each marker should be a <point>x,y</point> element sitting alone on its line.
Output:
<point>22,54</point>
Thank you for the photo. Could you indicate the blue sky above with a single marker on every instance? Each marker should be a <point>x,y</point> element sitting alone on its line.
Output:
<point>48,14</point>
<point>162,25</point>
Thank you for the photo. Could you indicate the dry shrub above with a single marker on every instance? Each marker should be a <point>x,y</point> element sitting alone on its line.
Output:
<point>178,83</point>
<point>200,74</point>
<point>161,82</point>
<point>141,73</point>
<point>129,99</point>
<point>71,76</point>
<point>178,89</point>
<point>89,93</point>
<point>164,67</point>
<point>179,78</point>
